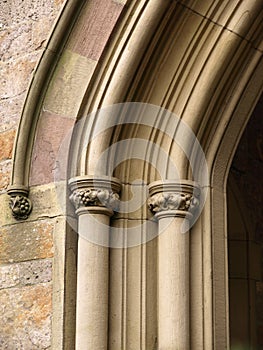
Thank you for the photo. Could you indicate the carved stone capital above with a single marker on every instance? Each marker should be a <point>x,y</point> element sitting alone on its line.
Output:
<point>95,197</point>
<point>20,204</point>
<point>179,199</point>
<point>172,201</point>
<point>95,193</point>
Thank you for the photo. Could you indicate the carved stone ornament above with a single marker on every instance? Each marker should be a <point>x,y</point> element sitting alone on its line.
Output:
<point>19,203</point>
<point>21,207</point>
<point>167,196</point>
<point>95,197</point>
<point>172,201</point>
<point>101,192</point>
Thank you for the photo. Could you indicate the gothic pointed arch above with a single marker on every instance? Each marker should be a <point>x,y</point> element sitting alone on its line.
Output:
<point>203,64</point>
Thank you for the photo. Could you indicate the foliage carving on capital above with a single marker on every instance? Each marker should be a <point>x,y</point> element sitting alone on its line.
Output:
<point>95,197</point>
<point>172,201</point>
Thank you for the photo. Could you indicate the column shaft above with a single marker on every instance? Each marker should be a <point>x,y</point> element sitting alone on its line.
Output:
<point>173,286</point>
<point>92,286</point>
<point>95,200</point>
<point>173,204</point>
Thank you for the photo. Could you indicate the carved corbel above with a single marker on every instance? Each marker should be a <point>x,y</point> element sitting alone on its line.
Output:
<point>20,204</point>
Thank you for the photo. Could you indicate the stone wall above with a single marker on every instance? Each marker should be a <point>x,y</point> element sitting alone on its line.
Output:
<point>33,257</point>
<point>33,262</point>
<point>26,248</point>
<point>24,30</point>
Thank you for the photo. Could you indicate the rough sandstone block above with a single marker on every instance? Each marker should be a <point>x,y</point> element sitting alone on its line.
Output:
<point>5,172</point>
<point>17,11</point>
<point>16,76</point>
<point>25,320</point>
<point>26,241</point>
<point>6,144</point>
<point>24,28</point>
<point>25,273</point>
<point>10,110</point>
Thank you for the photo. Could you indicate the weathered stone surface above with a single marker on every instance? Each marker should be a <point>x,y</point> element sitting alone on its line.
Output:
<point>5,171</point>
<point>16,75</point>
<point>49,201</point>
<point>95,26</point>
<point>120,1</point>
<point>25,273</point>
<point>26,241</point>
<point>26,248</point>
<point>25,320</point>
<point>24,38</point>
<point>12,41</point>
<point>69,83</point>
<point>6,217</point>
<point>17,11</point>
<point>24,28</point>
<point>9,275</point>
<point>6,144</point>
<point>52,131</point>
<point>59,2</point>
<point>10,111</point>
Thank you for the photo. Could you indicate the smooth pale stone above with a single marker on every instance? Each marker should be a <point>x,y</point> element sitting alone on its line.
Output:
<point>92,285</point>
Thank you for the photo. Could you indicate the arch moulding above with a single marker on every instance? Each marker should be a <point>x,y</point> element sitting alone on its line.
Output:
<point>200,66</point>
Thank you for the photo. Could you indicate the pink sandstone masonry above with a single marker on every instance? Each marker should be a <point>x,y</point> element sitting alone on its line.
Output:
<point>27,247</point>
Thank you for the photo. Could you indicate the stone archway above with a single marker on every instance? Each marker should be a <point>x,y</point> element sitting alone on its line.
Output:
<point>201,62</point>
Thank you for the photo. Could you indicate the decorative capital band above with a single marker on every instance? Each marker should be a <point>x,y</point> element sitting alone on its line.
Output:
<point>88,191</point>
<point>172,201</point>
<point>20,204</point>
<point>95,197</point>
<point>173,196</point>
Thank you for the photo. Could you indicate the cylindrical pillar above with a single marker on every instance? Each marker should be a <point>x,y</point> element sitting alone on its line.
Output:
<point>172,203</point>
<point>95,200</point>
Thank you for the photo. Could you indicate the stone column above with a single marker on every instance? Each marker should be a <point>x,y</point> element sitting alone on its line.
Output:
<point>95,200</point>
<point>172,204</point>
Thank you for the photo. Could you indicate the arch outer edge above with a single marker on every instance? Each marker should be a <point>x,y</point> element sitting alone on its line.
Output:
<point>18,189</point>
